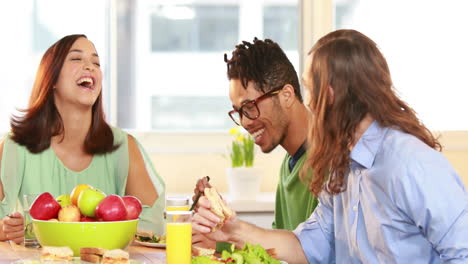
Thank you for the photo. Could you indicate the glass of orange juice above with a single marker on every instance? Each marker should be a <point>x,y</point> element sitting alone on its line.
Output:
<point>178,237</point>
<point>177,203</point>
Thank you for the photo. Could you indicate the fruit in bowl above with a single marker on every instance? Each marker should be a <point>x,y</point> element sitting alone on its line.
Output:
<point>92,205</point>
<point>45,207</point>
<point>109,235</point>
<point>91,220</point>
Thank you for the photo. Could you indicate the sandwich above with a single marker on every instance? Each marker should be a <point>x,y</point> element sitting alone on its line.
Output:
<point>92,254</point>
<point>218,207</point>
<point>200,251</point>
<point>63,254</point>
<point>115,256</point>
<point>146,236</point>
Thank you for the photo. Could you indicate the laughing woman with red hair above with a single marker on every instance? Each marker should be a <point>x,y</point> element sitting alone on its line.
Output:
<point>63,140</point>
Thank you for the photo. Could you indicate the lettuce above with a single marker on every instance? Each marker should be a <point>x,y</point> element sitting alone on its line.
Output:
<point>204,260</point>
<point>250,254</point>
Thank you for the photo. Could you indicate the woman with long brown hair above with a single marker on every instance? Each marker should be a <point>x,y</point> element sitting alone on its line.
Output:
<point>63,140</point>
<point>387,194</point>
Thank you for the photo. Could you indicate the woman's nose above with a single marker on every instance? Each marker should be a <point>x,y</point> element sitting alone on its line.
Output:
<point>88,65</point>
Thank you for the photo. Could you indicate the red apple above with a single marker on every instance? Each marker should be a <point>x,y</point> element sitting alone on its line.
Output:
<point>45,207</point>
<point>111,208</point>
<point>87,219</point>
<point>133,206</point>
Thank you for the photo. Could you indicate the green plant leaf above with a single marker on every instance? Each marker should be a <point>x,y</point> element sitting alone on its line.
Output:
<point>242,149</point>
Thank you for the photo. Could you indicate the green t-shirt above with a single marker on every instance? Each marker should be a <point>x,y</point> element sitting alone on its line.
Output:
<point>294,203</point>
<point>23,172</point>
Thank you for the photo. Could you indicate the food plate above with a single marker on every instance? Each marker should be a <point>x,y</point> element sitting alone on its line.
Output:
<point>76,260</point>
<point>150,244</point>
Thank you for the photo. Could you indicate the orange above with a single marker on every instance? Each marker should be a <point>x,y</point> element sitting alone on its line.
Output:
<point>77,191</point>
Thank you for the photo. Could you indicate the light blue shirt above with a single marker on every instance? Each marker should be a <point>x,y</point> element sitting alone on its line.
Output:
<point>403,203</point>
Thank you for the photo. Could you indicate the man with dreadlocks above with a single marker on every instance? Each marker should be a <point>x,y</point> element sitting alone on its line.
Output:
<point>267,102</point>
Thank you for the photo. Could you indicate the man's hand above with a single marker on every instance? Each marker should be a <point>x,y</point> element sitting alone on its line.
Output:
<point>205,220</point>
<point>200,240</point>
<point>13,227</point>
<point>202,183</point>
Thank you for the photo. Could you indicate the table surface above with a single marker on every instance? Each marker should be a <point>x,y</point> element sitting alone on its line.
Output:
<point>11,252</point>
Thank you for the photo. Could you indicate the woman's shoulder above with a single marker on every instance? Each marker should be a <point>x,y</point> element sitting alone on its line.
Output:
<point>2,142</point>
<point>7,142</point>
<point>120,136</point>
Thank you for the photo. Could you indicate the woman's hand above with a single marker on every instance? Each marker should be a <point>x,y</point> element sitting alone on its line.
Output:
<point>205,220</point>
<point>13,227</point>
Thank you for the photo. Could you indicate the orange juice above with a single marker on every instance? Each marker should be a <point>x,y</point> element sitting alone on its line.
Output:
<point>179,243</point>
<point>177,208</point>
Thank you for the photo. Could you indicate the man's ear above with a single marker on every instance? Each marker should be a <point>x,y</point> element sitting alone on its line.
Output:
<point>288,95</point>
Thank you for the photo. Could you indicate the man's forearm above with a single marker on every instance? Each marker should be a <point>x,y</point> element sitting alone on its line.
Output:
<point>287,245</point>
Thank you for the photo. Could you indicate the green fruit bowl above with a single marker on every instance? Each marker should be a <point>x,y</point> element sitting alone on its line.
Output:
<point>109,235</point>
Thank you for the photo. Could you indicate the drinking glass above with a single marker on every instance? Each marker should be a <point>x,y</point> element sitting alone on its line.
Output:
<point>30,240</point>
<point>179,237</point>
<point>177,203</point>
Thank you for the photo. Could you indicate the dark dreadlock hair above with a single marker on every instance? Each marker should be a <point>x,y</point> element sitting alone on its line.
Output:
<point>264,63</point>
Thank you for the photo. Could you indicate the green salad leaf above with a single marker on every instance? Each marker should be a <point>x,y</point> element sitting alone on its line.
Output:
<point>250,254</point>
<point>205,260</point>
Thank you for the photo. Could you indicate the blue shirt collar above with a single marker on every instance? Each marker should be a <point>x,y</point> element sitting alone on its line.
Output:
<point>368,145</point>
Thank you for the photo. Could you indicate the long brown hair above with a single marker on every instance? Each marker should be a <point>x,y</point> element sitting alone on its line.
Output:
<point>352,65</point>
<point>41,120</point>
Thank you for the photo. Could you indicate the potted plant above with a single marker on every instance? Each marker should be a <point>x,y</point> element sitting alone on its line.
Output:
<point>243,178</point>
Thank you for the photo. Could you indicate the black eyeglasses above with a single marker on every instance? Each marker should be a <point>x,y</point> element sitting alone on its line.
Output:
<point>250,109</point>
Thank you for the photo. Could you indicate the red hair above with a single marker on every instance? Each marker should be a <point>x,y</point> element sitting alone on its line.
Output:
<point>41,120</point>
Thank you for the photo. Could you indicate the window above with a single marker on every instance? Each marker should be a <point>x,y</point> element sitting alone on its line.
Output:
<point>180,78</point>
<point>28,29</point>
<point>426,51</point>
<point>281,24</point>
<point>194,28</point>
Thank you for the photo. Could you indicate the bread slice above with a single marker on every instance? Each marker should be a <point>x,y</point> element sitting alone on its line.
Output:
<point>115,256</point>
<point>56,253</point>
<point>93,258</point>
<point>200,251</point>
<point>93,250</point>
<point>92,254</point>
<point>145,233</point>
<point>218,207</point>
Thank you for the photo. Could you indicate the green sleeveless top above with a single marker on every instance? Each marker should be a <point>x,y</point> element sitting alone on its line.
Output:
<point>23,172</point>
<point>294,203</point>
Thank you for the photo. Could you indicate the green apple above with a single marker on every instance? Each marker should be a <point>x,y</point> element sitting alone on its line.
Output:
<point>64,200</point>
<point>89,199</point>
